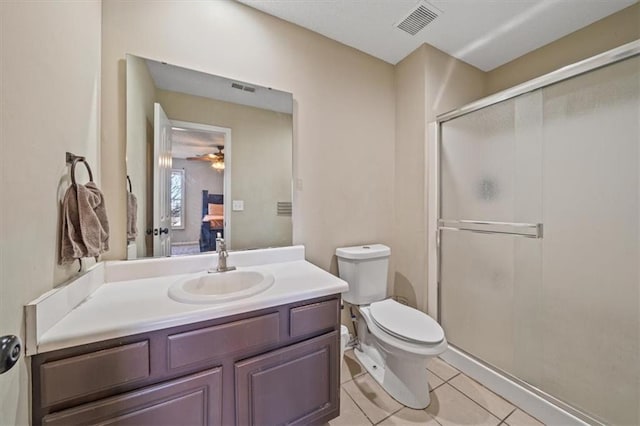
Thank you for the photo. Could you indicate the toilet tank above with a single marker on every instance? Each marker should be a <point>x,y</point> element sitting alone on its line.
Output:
<point>365,269</point>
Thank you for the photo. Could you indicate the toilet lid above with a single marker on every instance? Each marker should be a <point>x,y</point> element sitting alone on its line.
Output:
<point>405,322</point>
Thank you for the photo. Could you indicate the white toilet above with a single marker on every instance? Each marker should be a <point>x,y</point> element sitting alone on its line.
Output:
<point>396,341</point>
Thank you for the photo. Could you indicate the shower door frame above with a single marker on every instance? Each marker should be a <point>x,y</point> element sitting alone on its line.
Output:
<point>609,57</point>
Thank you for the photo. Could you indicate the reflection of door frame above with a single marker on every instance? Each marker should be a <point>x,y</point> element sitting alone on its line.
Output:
<point>161,181</point>
<point>227,168</point>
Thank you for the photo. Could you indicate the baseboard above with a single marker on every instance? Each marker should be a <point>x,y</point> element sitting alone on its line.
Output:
<point>529,401</point>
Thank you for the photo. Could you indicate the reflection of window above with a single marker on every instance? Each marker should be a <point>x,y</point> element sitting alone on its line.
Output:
<point>177,199</point>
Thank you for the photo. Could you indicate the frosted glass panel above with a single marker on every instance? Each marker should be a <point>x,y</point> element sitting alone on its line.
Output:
<point>490,294</point>
<point>490,163</point>
<point>562,312</point>
<point>477,165</point>
<point>590,294</point>
<point>488,300</point>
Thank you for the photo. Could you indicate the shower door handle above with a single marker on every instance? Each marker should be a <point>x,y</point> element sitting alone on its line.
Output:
<point>519,229</point>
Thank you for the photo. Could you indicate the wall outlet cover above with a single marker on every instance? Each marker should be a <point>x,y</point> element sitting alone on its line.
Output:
<point>238,205</point>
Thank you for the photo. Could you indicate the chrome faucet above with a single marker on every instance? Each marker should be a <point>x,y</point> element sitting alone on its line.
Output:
<point>221,249</point>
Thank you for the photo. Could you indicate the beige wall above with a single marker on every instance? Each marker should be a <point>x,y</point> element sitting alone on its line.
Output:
<point>409,268</point>
<point>428,82</point>
<point>261,164</point>
<point>50,103</point>
<point>344,110</point>
<point>141,94</point>
<point>615,30</point>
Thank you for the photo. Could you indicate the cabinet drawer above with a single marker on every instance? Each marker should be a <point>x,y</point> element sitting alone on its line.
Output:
<point>85,374</point>
<point>214,342</point>
<point>313,318</point>
<point>192,400</point>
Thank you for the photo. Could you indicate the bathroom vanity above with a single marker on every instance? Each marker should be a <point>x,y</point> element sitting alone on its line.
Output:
<point>274,363</point>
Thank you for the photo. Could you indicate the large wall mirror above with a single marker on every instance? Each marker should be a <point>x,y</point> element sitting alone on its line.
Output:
<point>206,155</point>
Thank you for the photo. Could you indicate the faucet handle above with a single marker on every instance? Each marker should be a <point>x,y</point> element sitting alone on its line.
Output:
<point>220,244</point>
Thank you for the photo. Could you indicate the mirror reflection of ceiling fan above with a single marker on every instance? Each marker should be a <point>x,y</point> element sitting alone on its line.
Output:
<point>216,158</point>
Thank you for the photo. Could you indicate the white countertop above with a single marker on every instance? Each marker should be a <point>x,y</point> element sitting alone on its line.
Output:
<point>122,308</point>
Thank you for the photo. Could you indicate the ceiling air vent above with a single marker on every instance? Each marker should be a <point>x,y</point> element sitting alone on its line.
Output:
<point>421,16</point>
<point>243,87</point>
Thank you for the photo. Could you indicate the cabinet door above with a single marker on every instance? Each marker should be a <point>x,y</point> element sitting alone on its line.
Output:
<point>294,385</point>
<point>192,400</point>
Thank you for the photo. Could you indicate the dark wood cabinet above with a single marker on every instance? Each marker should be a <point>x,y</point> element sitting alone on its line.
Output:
<point>274,366</point>
<point>294,385</point>
<point>194,400</point>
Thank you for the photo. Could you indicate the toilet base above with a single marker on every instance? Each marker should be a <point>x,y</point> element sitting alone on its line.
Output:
<point>404,380</point>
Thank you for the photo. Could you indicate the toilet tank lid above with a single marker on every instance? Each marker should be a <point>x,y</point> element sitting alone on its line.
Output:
<point>367,251</point>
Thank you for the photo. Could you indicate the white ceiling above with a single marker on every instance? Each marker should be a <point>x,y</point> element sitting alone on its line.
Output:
<point>483,33</point>
<point>196,83</point>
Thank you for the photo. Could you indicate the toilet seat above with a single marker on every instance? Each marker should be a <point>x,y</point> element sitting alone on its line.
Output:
<point>406,323</point>
<point>399,345</point>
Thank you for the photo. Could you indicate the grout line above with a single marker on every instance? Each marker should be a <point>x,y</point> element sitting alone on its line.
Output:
<point>438,376</point>
<point>472,400</point>
<point>432,417</point>
<point>512,411</point>
<point>492,413</point>
<point>356,404</point>
<point>486,409</point>
<point>359,407</point>
<point>458,372</point>
<point>398,410</point>
<point>454,376</point>
<point>354,377</point>
<point>344,383</point>
<point>432,388</point>
<point>442,378</point>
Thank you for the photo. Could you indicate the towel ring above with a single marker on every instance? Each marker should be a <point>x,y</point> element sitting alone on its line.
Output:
<point>76,160</point>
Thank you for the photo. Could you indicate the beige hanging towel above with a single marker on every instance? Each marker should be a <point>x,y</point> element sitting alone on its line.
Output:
<point>132,215</point>
<point>85,228</point>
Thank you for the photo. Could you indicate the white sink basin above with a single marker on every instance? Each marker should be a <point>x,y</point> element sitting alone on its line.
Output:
<point>220,286</point>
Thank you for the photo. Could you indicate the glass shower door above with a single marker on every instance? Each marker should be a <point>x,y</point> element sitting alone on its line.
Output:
<point>540,239</point>
<point>491,224</point>
<point>590,297</point>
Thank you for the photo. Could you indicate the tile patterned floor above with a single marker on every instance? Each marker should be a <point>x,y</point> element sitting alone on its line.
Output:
<point>455,400</point>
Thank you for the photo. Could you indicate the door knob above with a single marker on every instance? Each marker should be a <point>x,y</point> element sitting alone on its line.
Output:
<point>10,350</point>
<point>164,230</point>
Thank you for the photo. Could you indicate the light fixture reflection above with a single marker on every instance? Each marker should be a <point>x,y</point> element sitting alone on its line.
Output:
<point>218,165</point>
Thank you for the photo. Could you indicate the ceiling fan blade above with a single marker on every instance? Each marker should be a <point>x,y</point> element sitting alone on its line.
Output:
<point>211,157</point>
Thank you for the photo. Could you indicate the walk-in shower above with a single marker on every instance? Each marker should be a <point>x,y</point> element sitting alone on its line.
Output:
<point>539,234</point>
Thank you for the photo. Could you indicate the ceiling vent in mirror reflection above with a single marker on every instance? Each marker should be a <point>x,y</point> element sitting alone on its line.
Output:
<point>419,17</point>
<point>243,87</point>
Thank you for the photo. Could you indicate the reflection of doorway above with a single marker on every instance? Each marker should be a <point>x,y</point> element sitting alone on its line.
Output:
<point>201,157</point>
